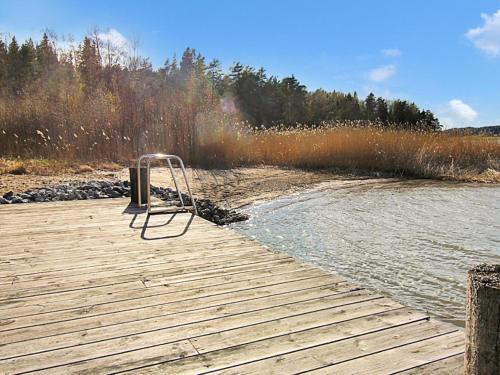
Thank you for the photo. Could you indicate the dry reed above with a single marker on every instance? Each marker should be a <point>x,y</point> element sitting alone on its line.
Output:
<point>346,146</point>
<point>367,149</point>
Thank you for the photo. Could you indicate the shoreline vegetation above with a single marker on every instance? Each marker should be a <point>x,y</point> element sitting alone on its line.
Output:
<point>76,107</point>
<point>345,150</point>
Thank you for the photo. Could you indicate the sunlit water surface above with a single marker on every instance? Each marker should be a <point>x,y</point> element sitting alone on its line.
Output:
<point>413,241</point>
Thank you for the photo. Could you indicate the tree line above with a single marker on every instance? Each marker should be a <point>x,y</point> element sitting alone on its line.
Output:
<point>97,99</point>
<point>269,101</point>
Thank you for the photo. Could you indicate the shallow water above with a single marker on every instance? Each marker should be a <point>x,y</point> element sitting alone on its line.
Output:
<point>413,241</point>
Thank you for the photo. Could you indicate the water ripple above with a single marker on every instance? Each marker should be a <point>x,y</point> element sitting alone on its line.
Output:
<point>413,241</point>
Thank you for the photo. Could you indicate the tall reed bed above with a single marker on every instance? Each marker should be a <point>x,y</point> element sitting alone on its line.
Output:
<point>216,141</point>
<point>397,152</point>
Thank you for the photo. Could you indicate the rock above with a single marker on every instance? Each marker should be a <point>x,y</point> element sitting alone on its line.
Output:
<point>77,190</point>
<point>19,170</point>
<point>16,199</point>
<point>114,194</point>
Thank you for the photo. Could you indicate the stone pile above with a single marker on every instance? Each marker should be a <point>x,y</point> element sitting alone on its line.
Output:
<point>118,189</point>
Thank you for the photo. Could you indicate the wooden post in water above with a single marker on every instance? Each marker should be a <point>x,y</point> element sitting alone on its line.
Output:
<point>482,326</point>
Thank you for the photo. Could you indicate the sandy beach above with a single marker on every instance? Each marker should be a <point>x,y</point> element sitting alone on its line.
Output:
<point>231,188</point>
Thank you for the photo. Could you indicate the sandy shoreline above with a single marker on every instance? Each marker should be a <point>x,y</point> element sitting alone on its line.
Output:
<point>232,188</point>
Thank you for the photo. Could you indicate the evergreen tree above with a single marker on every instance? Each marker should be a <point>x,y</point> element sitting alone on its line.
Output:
<point>216,76</point>
<point>46,56</point>
<point>182,89</point>
<point>370,107</point>
<point>27,62</point>
<point>89,65</point>
<point>3,64</point>
<point>13,66</point>
<point>382,110</point>
<point>428,121</point>
<point>294,101</point>
<point>187,62</point>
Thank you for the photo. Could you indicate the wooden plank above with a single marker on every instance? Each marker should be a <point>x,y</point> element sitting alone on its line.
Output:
<point>265,276</point>
<point>209,300</point>
<point>147,356</point>
<point>346,321</point>
<point>401,358</point>
<point>50,246</point>
<point>32,246</point>
<point>446,366</point>
<point>182,282</point>
<point>132,265</point>
<point>195,328</point>
<point>159,305</point>
<point>84,229</point>
<point>143,320</point>
<point>157,336</point>
<point>300,351</point>
<point>88,257</point>
<point>141,273</point>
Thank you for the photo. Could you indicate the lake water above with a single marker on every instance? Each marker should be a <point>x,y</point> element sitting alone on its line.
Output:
<point>412,240</point>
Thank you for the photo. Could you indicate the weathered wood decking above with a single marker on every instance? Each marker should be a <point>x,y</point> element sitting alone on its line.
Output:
<point>86,287</point>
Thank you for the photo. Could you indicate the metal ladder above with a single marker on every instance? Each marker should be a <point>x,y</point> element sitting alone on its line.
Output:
<point>151,157</point>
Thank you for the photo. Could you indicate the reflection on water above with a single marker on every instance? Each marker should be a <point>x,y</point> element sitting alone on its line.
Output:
<point>413,241</point>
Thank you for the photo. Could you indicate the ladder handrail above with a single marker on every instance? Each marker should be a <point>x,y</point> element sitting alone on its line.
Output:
<point>159,156</point>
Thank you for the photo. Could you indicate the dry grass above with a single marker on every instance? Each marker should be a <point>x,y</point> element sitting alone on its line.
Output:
<point>50,167</point>
<point>395,152</point>
<point>348,148</point>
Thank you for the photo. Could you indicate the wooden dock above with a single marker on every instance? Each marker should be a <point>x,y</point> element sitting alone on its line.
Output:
<point>92,287</point>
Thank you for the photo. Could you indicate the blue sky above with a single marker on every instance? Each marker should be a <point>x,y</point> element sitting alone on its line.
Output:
<point>443,54</point>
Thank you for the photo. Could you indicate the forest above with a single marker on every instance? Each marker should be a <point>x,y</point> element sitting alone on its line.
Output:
<point>92,99</point>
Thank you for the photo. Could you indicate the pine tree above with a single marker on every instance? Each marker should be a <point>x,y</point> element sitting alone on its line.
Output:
<point>428,121</point>
<point>3,64</point>
<point>88,64</point>
<point>27,61</point>
<point>215,75</point>
<point>294,94</point>
<point>46,56</point>
<point>13,71</point>
<point>187,62</point>
<point>370,107</point>
<point>382,110</point>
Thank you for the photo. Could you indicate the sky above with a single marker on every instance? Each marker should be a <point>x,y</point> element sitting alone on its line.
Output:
<point>442,54</point>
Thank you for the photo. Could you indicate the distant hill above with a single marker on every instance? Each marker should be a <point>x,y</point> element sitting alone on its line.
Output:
<point>484,130</point>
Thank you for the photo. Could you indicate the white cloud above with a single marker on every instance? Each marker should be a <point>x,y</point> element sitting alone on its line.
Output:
<point>392,52</point>
<point>382,73</point>
<point>487,37</point>
<point>115,38</point>
<point>462,110</point>
<point>456,113</point>
<point>114,47</point>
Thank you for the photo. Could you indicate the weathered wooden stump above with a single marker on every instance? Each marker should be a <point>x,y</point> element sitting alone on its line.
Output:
<point>482,345</point>
<point>133,185</point>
